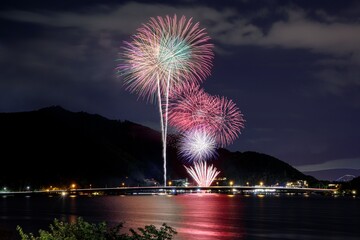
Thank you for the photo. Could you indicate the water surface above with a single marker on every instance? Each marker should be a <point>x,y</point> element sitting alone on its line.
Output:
<point>197,216</point>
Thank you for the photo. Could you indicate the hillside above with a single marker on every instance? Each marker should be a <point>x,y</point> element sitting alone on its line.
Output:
<point>351,186</point>
<point>254,167</point>
<point>53,145</point>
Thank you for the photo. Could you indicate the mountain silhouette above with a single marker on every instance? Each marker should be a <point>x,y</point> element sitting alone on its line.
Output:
<point>333,174</point>
<point>54,146</point>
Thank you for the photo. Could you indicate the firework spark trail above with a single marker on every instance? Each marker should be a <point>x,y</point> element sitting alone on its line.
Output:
<point>165,52</point>
<point>203,175</point>
<point>165,125</point>
<point>162,132</point>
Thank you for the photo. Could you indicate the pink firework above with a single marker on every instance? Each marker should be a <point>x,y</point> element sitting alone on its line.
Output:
<point>202,174</point>
<point>227,121</point>
<point>197,145</point>
<point>191,108</point>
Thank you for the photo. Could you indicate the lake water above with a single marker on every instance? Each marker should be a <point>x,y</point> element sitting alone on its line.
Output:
<point>197,216</point>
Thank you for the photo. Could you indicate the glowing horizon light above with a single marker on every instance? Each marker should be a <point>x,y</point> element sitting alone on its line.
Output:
<point>202,174</point>
<point>164,53</point>
<point>197,145</point>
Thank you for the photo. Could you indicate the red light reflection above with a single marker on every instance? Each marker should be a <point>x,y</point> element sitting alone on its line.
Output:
<point>210,216</point>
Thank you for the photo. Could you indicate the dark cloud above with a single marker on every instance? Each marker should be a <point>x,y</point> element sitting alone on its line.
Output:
<point>226,26</point>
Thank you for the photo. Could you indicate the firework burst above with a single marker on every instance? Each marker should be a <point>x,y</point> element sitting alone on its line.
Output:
<point>227,122</point>
<point>191,107</point>
<point>202,174</point>
<point>197,145</point>
<point>165,52</point>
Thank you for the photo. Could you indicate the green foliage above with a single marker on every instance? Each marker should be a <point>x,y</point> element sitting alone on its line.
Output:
<point>82,230</point>
<point>151,232</point>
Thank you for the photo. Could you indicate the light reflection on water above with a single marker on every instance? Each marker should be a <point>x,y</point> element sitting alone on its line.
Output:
<point>211,216</point>
<point>197,216</point>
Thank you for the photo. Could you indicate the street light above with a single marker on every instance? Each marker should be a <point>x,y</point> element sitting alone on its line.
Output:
<point>231,183</point>
<point>170,183</point>
<point>261,183</point>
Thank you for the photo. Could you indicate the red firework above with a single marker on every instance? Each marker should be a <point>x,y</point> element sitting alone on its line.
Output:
<point>191,107</point>
<point>227,122</point>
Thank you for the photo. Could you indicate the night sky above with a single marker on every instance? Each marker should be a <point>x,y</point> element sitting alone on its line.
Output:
<point>292,67</point>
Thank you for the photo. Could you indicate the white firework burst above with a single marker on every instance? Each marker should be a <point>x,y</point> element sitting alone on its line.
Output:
<point>197,145</point>
<point>202,174</point>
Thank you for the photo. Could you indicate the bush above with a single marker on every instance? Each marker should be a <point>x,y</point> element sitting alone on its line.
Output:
<point>82,230</point>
